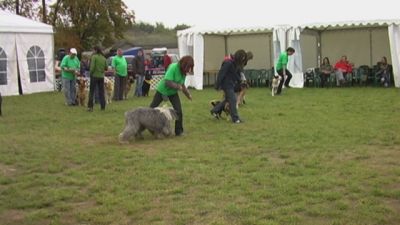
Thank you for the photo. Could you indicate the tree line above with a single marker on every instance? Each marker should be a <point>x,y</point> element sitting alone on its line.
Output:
<point>83,24</point>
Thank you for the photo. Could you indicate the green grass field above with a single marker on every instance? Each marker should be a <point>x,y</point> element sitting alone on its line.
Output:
<point>310,156</point>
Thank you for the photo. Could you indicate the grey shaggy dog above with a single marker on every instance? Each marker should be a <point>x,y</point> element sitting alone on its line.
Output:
<point>156,120</point>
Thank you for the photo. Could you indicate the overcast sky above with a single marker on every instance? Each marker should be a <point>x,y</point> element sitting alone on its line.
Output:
<point>234,13</point>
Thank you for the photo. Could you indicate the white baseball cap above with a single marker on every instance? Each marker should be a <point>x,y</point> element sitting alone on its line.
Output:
<point>73,51</point>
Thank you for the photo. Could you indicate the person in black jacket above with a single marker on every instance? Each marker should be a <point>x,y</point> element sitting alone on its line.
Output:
<point>228,77</point>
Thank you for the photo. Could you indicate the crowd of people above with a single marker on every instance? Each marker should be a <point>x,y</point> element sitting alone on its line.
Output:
<point>229,78</point>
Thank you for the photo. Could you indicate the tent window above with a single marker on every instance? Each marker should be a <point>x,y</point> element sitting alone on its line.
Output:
<point>3,67</point>
<point>36,64</point>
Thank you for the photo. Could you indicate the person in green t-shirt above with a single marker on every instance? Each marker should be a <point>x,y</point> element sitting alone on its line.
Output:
<point>70,66</point>
<point>281,68</point>
<point>98,66</point>
<point>120,66</point>
<point>168,87</point>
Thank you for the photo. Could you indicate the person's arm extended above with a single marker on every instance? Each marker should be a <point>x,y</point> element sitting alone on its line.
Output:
<point>178,87</point>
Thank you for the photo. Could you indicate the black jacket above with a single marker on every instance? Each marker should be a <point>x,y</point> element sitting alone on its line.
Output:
<point>228,76</point>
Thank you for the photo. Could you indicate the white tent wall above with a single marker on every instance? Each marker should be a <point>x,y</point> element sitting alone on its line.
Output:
<point>215,44</point>
<point>214,52</point>
<point>295,63</point>
<point>7,44</point>
<point>17,35</point>
<point>364,43</point>
<point>355,44</point>
<point>259,44</point>
<point>394,38</point>
<point>41,43</point>
<point>309,49</point>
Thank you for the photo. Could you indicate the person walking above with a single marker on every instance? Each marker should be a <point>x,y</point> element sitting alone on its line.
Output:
<point>120,67</point>
<point>70,66</point>
<point>168,87</point>
<point>98,66</point>
<point>229,77</point>
<point>281,69</point>
<point>139,73</point>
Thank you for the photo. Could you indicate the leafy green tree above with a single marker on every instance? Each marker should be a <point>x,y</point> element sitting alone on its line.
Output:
<point>91,22</point>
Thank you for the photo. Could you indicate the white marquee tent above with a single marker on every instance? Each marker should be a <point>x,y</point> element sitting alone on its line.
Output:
<point>26,48</point>
<point>364,42</point>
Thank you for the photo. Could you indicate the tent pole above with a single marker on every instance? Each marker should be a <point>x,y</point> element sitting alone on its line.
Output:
<point>319,47</point>
<point>370,47</point>
<point>226,44</point>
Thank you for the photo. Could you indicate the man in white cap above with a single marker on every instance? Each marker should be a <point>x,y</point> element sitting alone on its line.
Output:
<point>70,69</point>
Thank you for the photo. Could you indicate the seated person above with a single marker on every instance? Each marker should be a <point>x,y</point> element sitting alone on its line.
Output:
<point>383,72</point>
<point>326,70</point>
<point>343,68</point>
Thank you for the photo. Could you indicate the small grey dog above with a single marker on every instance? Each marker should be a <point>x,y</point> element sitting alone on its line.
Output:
<point>156,120</point>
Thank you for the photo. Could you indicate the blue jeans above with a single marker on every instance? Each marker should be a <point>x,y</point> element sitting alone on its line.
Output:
<point>139,84</point>
<point>69,91</point>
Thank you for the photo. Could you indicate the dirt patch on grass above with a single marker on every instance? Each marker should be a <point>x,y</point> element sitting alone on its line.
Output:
<point>12,217</point>
<point>7,171</point>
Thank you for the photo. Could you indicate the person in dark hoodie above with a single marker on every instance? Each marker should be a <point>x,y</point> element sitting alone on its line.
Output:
<point>228,77</point>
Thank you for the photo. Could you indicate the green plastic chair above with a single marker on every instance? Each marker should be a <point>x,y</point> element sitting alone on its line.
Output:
<point>255,78</point>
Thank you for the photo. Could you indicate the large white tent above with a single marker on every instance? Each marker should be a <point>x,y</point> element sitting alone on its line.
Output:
<point>364,42</point>
<point>26,48</point>
<point>209,46</point>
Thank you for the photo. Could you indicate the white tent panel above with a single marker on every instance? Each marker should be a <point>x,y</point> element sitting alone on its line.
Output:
<point>196,44</point>
<point>295,64</point>
<point>309,50</point>
<point>9,86</point>
<point>259,44</point>
<point>214,52</point>
<point>380,45</point>
<point>35,58</point>
<point>394,37</point>
<point>355,44</point>
<point>11,23</point>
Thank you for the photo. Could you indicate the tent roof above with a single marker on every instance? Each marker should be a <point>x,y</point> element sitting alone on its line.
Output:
<point>349,24</point>
<point>225,31</point>
<point>11,23</point>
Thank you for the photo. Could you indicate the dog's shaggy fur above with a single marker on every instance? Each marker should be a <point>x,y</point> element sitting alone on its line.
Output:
<point>128,87</point>
<point>275,83</point>
<point>156,120</point>
<point>108,89</point>
<point>82,91</point>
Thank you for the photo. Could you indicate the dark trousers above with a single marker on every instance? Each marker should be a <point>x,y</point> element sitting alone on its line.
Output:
<point>176,104</point>
<point>324,78</point>
<point>119,87</point>
<point>230,97</point>
<point>288,78</point>
<point>96,84</point>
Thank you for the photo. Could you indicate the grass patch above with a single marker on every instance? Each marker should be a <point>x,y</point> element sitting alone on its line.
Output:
<point>310,156</point>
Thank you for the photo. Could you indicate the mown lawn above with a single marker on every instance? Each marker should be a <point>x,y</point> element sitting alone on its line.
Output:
<point>310,156</point>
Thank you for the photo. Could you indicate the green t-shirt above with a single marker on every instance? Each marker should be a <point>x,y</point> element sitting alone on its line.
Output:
<point>282,61</point>
<point>69,63</point>
<point>98,65</point>
<point>120,65</point>
<point>173,74</point>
